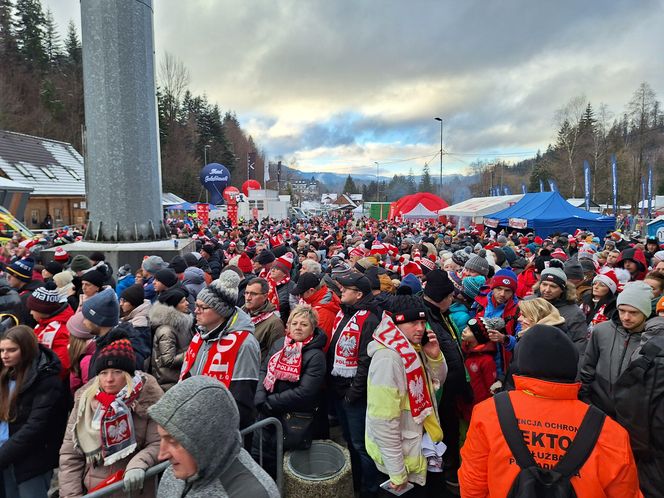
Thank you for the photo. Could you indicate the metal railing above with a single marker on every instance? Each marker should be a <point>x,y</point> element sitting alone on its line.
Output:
<point>157,470</point>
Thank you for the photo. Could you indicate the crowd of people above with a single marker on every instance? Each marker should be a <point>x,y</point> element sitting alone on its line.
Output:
<point>452,360</point>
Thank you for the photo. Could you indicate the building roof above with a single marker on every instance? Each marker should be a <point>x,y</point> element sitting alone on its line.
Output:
<point>47,166</point>
<point>170,199</point>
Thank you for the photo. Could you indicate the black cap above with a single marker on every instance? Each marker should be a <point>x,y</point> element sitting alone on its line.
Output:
<point>305,282</point>
<point>264,257</point>
<point>438,285</point>
<point>167,277</point>
<point>178,264</point>
<point>357,280</point>
<point>547,353</point>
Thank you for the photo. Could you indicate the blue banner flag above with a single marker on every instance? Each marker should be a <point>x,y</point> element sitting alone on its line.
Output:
<point>650,191</point>
<point>507,190</point>
<point>552,185</point>
<point>523,189</point>
<point>643,195</point>
<point>541,185</point>
<point>586,180</point>
<point>614,174</point>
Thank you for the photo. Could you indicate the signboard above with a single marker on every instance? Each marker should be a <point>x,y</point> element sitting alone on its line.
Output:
<point>660,235</point>
<point>203,213</point>
<point>232,213</point>
<point>490,223</point>
<point>517,223</point>
<point>215,177</point>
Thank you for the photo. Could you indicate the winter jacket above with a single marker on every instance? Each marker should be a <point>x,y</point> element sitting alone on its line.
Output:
<point>393,437</point>
<point>525,281</point>
<point>225,469</point>
<point>76,476</point>
<point>460,315</point>
<point>36,433</point>
<point>194,280</point>
<point>52,332</point>
<point>214,265</point>
<point>548,414</point>
<point>149,291</point>
<point>638,257</point>
<point>124,283</point>
<point>247,363</point>
<point>485,306</point>
<point>609,351</point>
<point>327,304</point>
<point>172,335</point>
<point>78,380</point>
<point>575,321</point>
<point>138,317</point>
<point>139,341</point>
<point>286,300</point>
<point>268,330</point>
<point>598,312</point>
<point>353,388</point>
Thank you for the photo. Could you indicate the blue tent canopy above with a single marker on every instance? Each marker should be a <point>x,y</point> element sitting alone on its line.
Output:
<point>185,206</point>
<point>547,213</point>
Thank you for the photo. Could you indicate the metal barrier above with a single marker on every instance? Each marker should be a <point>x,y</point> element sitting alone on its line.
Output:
<point>158,469</point>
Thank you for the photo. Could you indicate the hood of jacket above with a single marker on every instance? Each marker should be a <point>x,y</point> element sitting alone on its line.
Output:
<point>45,364</point>
<point>138,317</point>
<point>163,314</point>
<point>193,276</point>
<point>654,328</point>
<point>207,402</point>
<point>638,257</point>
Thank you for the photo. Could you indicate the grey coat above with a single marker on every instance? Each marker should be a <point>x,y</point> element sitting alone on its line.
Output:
<point>172,334</point>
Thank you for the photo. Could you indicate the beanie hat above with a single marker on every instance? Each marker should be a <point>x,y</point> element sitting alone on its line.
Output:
<point>80,263</point>
<point>63,278</point>
<point>134,295</point>
<point>501,239</point>
<point>504,278</point>
<point>547,353</point>
<point>377,247</point>
<point>167,277</point>
<point>364,264</point>
<point>45,299</point>
<point>342,269</point>
<point>102,309</point>
<point>460,257</point>
<point>478,264</point>
<point>118,355</point>
<point>560,254</point>
<point>221,294</point>
<point>660,305</point>
<point>244,263</point>
<point>456,280</point>
<point>95,277</point>
<point>659,255</point>
<point>191,258</point>
<point>152,264</point>
<point>411,282</point>
<point>172,297</point>
<point>519,263</point>
<point>76,328</point>
<point>265,257</point>
<point>609,278</point>
<point>438,286</point>
<point>284,263</point>
<point>22,269</point>
<point>407,309</point>
<point>53,267</point>
<point>573,270</point>
<point>124,270</point>
<point>60,255</point>
<point>472,285</point>
<point>637,294</point>
<point>357,251</point>
<point>554,275</point>
<point>178,264</point>
<point>97,256</point>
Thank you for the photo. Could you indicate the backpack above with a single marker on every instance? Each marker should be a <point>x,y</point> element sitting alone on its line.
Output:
<point>534,481</point>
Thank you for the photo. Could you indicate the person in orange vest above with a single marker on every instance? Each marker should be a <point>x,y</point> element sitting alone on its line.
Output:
<point>548,415</point>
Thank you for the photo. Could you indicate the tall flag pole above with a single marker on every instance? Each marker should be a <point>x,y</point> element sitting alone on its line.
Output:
<point>614,174</point>
<point>523,189</point>
<point>586,180</point>
<point>541,185</point>
<point>650,191</point>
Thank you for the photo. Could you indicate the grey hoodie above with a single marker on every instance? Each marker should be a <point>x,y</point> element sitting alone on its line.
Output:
<point>200,414</point>
<point>194,280</point>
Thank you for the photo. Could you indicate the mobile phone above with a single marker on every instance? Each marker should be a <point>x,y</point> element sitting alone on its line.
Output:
<point>386,487</point>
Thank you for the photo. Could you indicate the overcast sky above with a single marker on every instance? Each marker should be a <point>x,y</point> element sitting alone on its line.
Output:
<point>337,85</point>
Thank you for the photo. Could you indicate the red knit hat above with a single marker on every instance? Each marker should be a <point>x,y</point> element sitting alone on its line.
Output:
<point>276,241</point>
<point>284,263</point>
<point>118,355</point>
<point>60,255</point>
<point>45,300</point>
<point>410,267</point>
<point>244,263</point>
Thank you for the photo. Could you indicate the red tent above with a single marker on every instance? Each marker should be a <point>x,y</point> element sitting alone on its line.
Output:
<point>422,205</point>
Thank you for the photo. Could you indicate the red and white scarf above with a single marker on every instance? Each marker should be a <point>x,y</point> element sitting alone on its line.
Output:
<point>389,335</point>
<point>221,356</point>
<point>261,317</point>
<point>285,364</point>
<point>346,352</point>
<point>272,293</point>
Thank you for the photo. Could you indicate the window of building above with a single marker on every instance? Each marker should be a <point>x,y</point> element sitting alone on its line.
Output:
<point>73,173</point>
<point>47,172</point>
<point>58,214</point>
<point>21,169</point>
<point>34,216</point>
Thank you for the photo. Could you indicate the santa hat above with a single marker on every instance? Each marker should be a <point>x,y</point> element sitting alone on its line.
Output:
<point>244,263</point>
<point>276,241</point>
<point>392,250</point>
<point>410,267</point>
<point>560,254</point>
<point>377,247</point>
<point>284,263</point>
<point>609,278</point>
<point>60,255</point>
<point>357,251</point>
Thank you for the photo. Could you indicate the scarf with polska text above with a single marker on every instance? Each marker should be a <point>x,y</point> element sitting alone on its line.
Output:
<point>346,351</point>
<point>286,364</point>
<point>419,398</point>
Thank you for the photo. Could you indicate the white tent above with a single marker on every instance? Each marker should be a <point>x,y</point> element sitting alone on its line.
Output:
<point>478,207</point>
<point>419,212</point>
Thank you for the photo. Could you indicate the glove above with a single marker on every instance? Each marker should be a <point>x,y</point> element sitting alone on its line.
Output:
<point>496,387</point>
<point>133,480</point>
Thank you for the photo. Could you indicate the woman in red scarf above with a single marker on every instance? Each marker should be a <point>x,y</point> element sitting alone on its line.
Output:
<point>290,383</point>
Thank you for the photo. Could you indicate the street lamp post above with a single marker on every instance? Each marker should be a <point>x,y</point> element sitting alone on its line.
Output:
<point>441,155</point>
<point>377,184</point>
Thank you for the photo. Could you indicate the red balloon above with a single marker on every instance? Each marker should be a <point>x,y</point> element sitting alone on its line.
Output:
<point>250,185</point>
<point>230,193</point>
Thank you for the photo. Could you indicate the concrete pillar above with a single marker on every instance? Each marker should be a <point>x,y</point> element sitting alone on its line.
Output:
<point>122,138</point>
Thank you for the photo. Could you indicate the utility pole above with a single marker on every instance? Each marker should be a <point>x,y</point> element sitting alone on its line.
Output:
<point>441,155</point>
<point>377,184</point>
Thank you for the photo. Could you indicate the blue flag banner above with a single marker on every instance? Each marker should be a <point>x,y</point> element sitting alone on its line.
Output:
<point>552,185</point>
<point>586,181</point>
<point>523,189</point>
<point>643,195</point>
<point>650,191</point>
<point>614,174</point>
<point>507,190</point>
<point>541,185</point>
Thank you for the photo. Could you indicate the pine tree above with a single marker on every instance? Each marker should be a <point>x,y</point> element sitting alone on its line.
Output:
<point>8,47</point>
<point>426,184</point>
<point>350,187</point>
<point>412,187</point>
<point>30,27</point>
<point>52,45</point>
<point>72,44</point>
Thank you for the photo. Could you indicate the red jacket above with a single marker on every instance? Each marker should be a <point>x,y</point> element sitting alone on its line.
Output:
<point>52,332</point>
<point>525,282</point>
<point>327,305</point>
<point>549,414</point>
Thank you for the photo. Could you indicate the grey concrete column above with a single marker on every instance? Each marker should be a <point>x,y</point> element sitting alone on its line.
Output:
<point>122,138</point>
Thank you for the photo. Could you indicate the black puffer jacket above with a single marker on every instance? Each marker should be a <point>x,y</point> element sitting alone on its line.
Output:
<point>286,299</point>
<point>36,434</point>
<point>354,388</point>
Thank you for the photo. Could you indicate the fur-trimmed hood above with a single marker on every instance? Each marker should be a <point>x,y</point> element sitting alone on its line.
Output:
<point>162,314</point>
